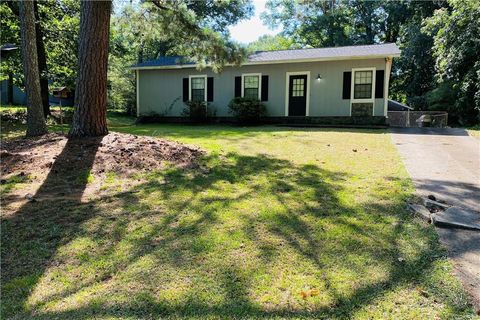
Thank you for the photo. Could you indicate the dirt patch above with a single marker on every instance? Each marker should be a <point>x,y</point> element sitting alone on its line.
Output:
<point>117,152</point>
<point>57,166</point>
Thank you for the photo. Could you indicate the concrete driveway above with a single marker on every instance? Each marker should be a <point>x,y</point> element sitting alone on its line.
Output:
<point>446,164</point>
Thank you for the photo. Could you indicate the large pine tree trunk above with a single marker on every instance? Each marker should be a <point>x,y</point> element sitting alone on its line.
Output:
<point>90,117</point>
<point>42,62</point>
<point>35,120</point>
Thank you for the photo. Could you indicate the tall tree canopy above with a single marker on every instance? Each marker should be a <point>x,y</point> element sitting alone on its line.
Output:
<point>328,23</point>
<point>456,48</point>
<point>59,22</point>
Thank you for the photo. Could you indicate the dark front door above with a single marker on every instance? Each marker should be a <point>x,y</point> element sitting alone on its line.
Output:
<point>297,95</point>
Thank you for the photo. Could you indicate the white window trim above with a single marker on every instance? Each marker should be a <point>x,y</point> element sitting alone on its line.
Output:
<point>259,83</point>
<point>352,89</point>
<point>190,77</point>
<point>287,90</point>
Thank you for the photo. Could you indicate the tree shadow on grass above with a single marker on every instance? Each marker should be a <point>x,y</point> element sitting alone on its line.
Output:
<point>31,236</point>
<point>169,246</point>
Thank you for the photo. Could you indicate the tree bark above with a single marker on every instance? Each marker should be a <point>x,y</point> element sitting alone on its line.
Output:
<point>90,117</point>
<point>10,88</point>
<point>42,62</point>
<point>35,119</point>
<point>41,54</point>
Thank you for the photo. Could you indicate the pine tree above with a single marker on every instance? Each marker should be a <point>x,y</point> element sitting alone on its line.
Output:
<point>90,117</point>
<point>35,118</point>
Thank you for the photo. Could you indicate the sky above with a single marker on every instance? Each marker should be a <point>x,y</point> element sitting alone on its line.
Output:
<point>250,30</point>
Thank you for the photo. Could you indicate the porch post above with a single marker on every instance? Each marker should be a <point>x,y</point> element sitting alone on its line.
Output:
<point>388,69</point>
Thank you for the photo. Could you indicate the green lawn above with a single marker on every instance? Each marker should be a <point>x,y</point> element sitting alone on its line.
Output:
<point>284,223</point>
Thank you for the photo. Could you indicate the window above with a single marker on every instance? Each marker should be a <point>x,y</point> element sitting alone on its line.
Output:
<point>251,86</point>
<point>198,88</point>
<point>298,87</point>
<point>362,86</point>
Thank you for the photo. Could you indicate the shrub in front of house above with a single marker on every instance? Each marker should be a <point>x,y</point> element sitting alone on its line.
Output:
<point>197,111</point>
<point>150,117</point>
<point>247,110</point>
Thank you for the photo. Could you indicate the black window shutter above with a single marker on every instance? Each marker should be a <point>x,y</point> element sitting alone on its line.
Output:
<point>185,89</point>
<point>379,84</point>
<point>264,88</point>
<point>210,89</point>
<point>347,84</point>
<point>238,86</point>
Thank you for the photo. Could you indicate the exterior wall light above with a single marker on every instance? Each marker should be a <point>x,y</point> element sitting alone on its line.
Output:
<point>319,77</point>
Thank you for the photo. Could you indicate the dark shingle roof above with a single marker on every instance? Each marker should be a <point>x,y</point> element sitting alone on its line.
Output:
<point>364,51</point>
<point>397,106</point>
<point>165,61</point>
<point>319,53</point>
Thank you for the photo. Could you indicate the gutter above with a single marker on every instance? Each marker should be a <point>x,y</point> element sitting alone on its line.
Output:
<point>188,66</point>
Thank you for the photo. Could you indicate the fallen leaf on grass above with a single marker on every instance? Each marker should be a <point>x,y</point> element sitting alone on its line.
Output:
<point>309,293</point>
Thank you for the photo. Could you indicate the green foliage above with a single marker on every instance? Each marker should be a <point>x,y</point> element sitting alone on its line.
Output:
<point>189,28</point>
<point>198,111</point>
<point>408,84</point>
<point>247,110</point>
<point>269,43</point>
<point>60,23</point>
<point>10,33</point>
<point>443,95</point>
<point>328,23</point>
<point>405,77</point>
<point>456,49</point>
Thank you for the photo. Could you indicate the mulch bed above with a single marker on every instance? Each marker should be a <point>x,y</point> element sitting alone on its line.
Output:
<point>121,153</point>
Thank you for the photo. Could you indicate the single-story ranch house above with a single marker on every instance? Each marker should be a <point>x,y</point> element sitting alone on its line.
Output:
<point>341,83</point>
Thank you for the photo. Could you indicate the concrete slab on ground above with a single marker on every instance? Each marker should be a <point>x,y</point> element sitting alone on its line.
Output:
<point>457,217</point>
<point>446,164</point>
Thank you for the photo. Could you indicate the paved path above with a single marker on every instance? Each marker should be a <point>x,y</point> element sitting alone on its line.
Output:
<point>446,163</point>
